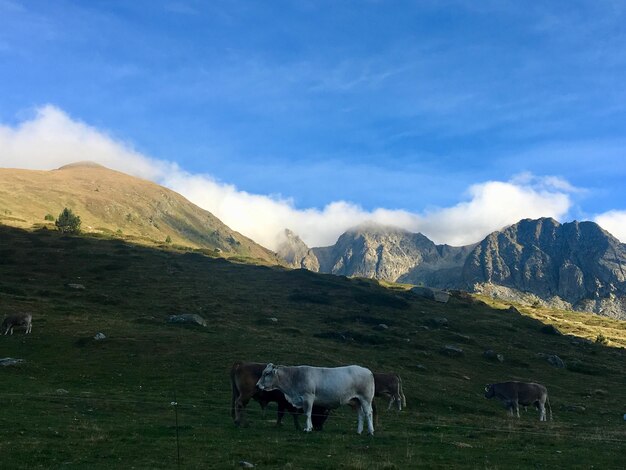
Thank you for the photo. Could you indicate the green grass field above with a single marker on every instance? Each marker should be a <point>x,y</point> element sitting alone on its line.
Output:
<point>76,402</point>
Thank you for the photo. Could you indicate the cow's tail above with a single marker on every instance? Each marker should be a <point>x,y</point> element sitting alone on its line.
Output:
<point>235,388</point>
<point>549,407</point>
<point>401,397</point>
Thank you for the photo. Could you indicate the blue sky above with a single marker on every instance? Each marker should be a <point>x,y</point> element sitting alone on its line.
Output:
<point>394,106</point>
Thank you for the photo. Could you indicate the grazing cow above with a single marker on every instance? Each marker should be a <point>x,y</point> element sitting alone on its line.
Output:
<point>19,319</point>
<point>244,376</point>
<point>513,394</point>
<point>390,386</point>
<point>330,387</point>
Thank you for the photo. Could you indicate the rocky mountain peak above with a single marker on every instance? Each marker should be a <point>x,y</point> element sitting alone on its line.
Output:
<point>295,252</point>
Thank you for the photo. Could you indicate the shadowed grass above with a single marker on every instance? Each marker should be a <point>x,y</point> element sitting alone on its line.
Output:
<point>77,402</point>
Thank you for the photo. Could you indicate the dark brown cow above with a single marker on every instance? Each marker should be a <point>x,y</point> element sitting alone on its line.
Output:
<point>244,377</point>
<point>513,394</point>
<point>390,386</point>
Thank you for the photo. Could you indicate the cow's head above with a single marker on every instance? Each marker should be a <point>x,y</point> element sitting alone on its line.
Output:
<point>268,380</point>
<point>489,391</point>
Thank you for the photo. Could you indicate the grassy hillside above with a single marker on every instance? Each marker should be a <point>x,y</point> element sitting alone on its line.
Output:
<point>76,402</point>
<point>113,203</point>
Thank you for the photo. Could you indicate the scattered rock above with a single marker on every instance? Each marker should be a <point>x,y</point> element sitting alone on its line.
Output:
<point>99,336</point>
<point>381,327</point>
<point>451,351</point>
<point>440,322</point>
<point>463,445</point>
<point>190,318</point>
<point>62,391</point>
<point>493,356</point>
<point>462,338</point>
<point>420,367</point>
<point>273,319</point>
<point>9,361</point>
<point>245,464</point>
<point>75,286</point>
<point>432,294</point>
<point>553,360</point>
<point>551,330</point>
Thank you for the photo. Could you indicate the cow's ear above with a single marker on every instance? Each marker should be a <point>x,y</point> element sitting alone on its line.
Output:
<point>487,387</point>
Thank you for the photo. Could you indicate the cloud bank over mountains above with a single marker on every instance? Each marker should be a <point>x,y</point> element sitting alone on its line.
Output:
<point>52,139</point>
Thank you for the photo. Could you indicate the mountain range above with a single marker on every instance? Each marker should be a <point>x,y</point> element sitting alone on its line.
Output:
<point>575,265</point>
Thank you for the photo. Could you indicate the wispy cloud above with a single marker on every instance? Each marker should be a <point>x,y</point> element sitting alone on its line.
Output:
<point>51,139</point>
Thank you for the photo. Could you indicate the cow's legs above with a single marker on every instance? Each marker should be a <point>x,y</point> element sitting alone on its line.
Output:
<point>516,405</point>
<point>30,327</point>
<point>280,414</point>
<point>308,409</point>
<point>365,411</point>
<point>240,405</point>
<point>368,412</point>
<point>542,411</point>
<point>359,428</point>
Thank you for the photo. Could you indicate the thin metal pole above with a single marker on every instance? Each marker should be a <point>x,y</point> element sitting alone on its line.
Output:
<point>175,404</point>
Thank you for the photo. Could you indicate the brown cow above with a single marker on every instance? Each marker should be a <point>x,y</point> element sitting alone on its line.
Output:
<point>389,385</point>
<point>244,377</point>
<point>513,394</point>
<point>19,319</point>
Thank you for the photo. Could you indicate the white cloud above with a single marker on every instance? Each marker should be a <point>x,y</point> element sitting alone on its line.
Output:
<point>52,139</point>
<point>613,222</point>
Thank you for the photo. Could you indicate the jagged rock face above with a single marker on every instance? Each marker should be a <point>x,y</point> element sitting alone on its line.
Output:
<point>378,252</point>
<point>575,265</point>
<point>296,253</point>
<point>577,262</point>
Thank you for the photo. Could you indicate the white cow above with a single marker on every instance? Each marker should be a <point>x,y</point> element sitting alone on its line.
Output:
<point>19,319</point>
<point>330,387</point>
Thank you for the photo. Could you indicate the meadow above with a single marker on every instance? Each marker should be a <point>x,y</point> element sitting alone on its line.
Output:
<point>157,395</point>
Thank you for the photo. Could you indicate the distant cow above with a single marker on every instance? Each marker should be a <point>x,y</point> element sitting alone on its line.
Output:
<point>513,394</point>
<point>20,319</point>
<point>244,376</point>
<point>389,385</point>
<point>330,387</point>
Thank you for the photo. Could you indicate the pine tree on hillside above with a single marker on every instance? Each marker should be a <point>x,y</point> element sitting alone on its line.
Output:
<point>68,222</point>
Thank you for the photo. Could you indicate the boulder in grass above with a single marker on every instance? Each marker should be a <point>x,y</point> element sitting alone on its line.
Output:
<point>432,294</point>
<point>9,361</point>
<point>187,318</point>
<point>451,351</point>
<point>493,356</point>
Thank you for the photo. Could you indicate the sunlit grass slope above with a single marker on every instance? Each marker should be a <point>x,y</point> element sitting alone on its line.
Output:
<point>76,402</point>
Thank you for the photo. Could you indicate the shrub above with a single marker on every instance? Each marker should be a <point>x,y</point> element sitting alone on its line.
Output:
<point>68,222</point>
<point>49,217</point>
<point>601,339</point>
<point>168,239</point>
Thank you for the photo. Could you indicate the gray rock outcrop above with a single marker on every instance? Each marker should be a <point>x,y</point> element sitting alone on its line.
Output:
<point>189,318</point>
